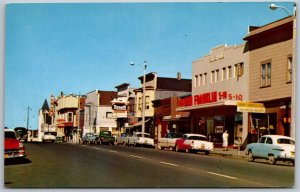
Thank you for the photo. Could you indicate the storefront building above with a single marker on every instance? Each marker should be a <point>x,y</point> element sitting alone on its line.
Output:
<point>270,76</point>
<point>122,107</point>
<point>167,119</point>
<point>157,88</point>
<point>219,83</point>
<point>99,113</point>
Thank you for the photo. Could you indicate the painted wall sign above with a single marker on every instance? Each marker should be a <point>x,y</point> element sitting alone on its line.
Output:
<point>251,107</point>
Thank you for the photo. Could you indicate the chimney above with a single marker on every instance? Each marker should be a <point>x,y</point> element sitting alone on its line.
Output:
<point>178,76</point>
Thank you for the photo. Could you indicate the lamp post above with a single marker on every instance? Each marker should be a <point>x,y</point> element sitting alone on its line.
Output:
<point>293,97</point>
<point>143,104</point>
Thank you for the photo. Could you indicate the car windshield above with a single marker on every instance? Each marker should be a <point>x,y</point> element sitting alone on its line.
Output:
<point>197,138</point>
<point>285,141</point>
<point>10,135</point>
<point>105,133</point>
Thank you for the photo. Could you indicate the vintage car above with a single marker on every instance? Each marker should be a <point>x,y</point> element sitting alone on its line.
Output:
<point>273,148</point>
<point>48,137</point>
<point>123,139</point>
<point>89,138</point>
<point>105,137</point>
<point>141,139</point>
<point>194,143</point>
<point>168,141</point>
<point>13,148</point>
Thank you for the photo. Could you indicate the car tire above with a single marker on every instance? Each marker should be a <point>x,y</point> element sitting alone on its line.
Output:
<point>206,152</point>
<point>171,148</point>
<point>272,159</point>
<point>250,156</point>
<point>187,150</point>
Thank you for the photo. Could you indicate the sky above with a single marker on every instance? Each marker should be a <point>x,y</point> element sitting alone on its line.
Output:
<point>80,47</point>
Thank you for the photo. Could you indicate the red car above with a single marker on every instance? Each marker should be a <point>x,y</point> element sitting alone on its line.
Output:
<point>13,148</point>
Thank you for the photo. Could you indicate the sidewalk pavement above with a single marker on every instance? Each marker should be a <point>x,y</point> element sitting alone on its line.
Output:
<point>230,152</point>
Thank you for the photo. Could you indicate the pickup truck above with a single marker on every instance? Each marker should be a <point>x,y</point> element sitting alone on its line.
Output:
<point>13,148</point>
<point>105,137</point>
<point>123,139</point>
<point>48,137</point>
<point>168,141</point>
<point>141,139</point>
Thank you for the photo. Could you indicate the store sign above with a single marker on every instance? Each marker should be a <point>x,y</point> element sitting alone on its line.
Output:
<point>210,97</point>
<point>251,107</point>
<point>119,107</point>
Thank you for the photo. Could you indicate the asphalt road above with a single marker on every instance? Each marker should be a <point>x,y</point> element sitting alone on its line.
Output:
<point>54,165</point>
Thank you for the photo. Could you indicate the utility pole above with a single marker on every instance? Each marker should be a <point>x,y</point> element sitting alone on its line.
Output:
<point>28,108</point>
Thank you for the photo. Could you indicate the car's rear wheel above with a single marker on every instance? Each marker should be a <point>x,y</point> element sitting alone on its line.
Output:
<point>206,152</point>
<point>272,159</point>
<point>187,150</point>
<point>250,156</point>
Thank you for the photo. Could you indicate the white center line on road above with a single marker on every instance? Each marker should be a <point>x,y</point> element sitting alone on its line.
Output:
<point>222,175</point>
<point>136,156</point>
<point>114,151</point>
<point>169,164</point>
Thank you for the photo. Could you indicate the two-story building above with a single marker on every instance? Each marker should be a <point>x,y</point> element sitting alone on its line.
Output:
<point>270,75</point>
<point>98,112</point>
<point>220,81</point>
<point>157,88</point>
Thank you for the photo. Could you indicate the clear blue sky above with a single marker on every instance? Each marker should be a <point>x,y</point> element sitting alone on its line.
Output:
<point>77,48</point>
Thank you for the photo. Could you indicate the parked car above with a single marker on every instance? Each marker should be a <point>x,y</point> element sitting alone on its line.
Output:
<point>193,143</point>
<point>13,148</point>
<point>105,137</point>
<point>168,141</point>
<point>89,138</point>
<point>141,139</point>
<point>123,139</point>
<point>273,148</point>
<point>48,137</point>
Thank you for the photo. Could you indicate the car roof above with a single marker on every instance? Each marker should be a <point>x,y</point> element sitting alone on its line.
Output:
<point>278,136</point>
<point>9,130</point>
<point>193,134</point>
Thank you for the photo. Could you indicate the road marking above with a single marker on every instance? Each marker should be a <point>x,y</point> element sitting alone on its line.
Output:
<point>136,156</point>
<point>114,151</point>
<point>222,175</point>
<point>169,164</point>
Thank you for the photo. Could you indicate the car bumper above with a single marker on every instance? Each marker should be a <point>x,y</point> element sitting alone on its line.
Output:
<point>14,154</point>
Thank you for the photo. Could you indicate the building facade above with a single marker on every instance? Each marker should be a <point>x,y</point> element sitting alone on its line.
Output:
<point>98,112</point>
<point>270,76</point>
<point>220,81</point>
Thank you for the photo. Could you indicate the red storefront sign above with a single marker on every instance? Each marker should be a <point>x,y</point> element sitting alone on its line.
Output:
<point>210,97</point>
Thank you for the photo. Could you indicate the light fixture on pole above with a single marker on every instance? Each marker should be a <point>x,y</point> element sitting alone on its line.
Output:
<point>143,104</point>
<point>274,7</point>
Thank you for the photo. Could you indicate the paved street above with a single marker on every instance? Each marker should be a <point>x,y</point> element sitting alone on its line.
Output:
<point>55,165</point>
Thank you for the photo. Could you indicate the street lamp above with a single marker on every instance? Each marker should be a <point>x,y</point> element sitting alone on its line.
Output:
<point>274,7</point>
<point>143,104</point>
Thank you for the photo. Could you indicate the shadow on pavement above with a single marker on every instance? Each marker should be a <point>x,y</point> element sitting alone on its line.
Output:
<point>16,161</point>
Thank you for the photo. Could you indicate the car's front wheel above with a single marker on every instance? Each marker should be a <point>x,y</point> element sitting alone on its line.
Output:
<point>250,156</point>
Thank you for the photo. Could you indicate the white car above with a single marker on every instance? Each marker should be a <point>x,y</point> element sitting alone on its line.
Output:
<point>48,137</point>
<point>141,139</point>
<point>123,139</point>
<point>273,148</point>
<point>194,142</point>
<point>168,141</point>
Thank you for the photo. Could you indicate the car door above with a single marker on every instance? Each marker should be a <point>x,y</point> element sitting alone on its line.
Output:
<point>267,147</point>
<point>257,149</point>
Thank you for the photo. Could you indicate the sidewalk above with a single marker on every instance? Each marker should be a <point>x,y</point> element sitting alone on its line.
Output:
<point>231,152</point>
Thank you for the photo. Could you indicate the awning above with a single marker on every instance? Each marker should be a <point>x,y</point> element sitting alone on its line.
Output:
<point>138,123</point>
